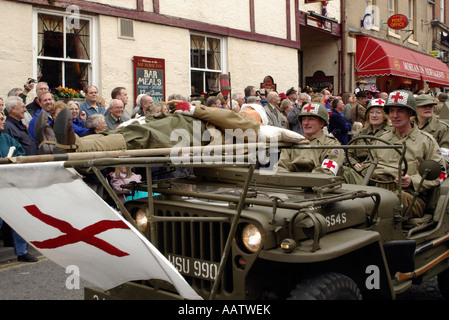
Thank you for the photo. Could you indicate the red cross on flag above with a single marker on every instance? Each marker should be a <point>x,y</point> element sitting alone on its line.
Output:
<point>65,220</point>
<point>330,165</point>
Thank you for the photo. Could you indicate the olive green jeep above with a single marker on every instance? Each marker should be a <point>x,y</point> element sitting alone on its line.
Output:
<point>239,233</point>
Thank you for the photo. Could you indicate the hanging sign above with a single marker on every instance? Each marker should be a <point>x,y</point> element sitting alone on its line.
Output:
<point>149,77</point>
<point>397,22</point>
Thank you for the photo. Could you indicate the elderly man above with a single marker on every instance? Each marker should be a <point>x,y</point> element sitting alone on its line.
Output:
<point>275,117</point>
<point>122,94</point>
<point>14,126</point>
<point>115,116</point>
<point>292,95</point>
<point>426,120</point>
<point>401,107</point>
<point>313,117</point>
<point>91,106</point>
<point>292,116</point>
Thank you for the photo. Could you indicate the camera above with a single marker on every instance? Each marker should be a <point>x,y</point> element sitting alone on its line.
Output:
<point>31,80</point>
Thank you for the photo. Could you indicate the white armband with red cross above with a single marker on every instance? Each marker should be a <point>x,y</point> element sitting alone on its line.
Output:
<point>330,165</point>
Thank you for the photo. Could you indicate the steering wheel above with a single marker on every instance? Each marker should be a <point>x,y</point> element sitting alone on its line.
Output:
<point>368,170</point>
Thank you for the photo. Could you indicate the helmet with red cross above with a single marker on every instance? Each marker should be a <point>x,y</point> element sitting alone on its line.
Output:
<point>380,103</point>
<point>314,109</point>
<point>401,98</point>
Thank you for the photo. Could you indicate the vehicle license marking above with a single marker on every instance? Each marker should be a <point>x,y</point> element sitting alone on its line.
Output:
<point>194,267</point>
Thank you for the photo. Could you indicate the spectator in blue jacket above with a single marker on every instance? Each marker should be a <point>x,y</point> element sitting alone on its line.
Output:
<point>338,125</point>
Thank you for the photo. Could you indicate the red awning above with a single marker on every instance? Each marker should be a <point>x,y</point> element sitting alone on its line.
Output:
<point>379,58</point>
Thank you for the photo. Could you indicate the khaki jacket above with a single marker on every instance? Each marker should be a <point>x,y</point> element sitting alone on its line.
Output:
<point>420,146</point>
<point>311,160</point>
<point>438,129</point>
<point>360,155</point>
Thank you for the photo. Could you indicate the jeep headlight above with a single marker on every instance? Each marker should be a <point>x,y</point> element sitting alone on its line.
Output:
<point>251,237</point>
<point>141,220</point>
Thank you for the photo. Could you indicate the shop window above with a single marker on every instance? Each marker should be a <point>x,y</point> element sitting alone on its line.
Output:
<point>64,50</point>
<point>205,63</point>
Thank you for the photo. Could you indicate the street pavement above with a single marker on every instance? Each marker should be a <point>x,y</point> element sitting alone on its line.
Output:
<point>42,280</point>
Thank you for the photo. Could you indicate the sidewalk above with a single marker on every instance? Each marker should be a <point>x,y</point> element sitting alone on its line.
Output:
<point>7,253</point>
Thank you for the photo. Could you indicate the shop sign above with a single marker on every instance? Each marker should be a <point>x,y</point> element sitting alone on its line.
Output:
<point>149,77</point>
<point>397,22</point>
<point>319,23</point>
<point>268,84</point>
<point>319,81</point>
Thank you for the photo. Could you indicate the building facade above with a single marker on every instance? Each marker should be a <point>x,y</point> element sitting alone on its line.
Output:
<point>390,44</point>
<point>171,46</point>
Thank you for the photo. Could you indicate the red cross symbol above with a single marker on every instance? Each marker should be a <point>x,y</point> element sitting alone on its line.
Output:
<point>396,97</point>
<point>309,108</point>
<point>379,102</point>
<point>73,235</point>
<point>329,164</point>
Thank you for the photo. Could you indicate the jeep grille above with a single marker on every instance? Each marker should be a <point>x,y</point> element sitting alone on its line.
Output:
<point>198,240</point>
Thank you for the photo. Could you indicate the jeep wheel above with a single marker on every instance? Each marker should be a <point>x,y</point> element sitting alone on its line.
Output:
<point>443,283</point>
<point>327,286</point>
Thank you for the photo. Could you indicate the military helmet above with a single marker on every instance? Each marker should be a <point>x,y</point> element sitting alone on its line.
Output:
<point>314,109</point>
<point>380,103</point>
<point>401,98</point>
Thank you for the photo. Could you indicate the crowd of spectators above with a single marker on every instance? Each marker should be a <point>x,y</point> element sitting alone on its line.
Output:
<point>348,115</point>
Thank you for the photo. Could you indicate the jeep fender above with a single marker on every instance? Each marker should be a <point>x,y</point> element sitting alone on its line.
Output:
<point>359,254</point>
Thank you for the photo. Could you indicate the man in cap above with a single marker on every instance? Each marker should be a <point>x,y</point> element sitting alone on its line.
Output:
<point>358,111</point>
<point>313,118</point>
<point>426,120</point>
<point>401,107</point>
<point>292,95</point>
<point>361,85</point>
<point>442,109</point>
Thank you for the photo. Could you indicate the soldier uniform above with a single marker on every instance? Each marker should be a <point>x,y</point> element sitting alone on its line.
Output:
<point>327,161</point>
<point>437,128</point>
<point>360,155</point>
<point>156,131</point>
<point>420,146</point>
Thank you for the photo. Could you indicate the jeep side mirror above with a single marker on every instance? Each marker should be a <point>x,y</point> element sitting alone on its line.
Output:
<point>429,169</point>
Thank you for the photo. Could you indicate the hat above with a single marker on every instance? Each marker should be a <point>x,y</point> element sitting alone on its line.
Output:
<point>282,96</point>
<point>373,89</point>
<point>314,109</point>
<point>401,98</point>
<point>424,100</point>
<point>380,103</point>
<point>443,96</point>
<point>290,91</point>
<point>361,94</point>
<point>361,81</point>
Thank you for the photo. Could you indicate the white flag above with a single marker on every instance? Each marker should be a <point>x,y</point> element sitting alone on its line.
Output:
<point>65,220</point>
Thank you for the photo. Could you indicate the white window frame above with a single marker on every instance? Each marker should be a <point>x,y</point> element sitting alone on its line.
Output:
<point>223,61</point>
<point>372,8</point>
<point>93,62</point>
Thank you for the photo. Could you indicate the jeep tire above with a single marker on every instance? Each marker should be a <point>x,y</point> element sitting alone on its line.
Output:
<point>326,286</point>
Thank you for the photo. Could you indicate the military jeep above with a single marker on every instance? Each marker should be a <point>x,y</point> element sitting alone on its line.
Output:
<point>240,233</point>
